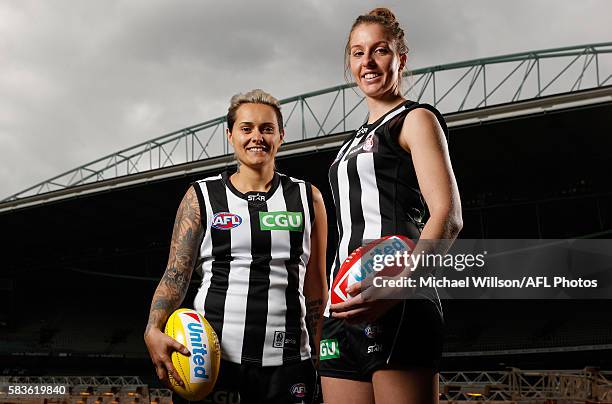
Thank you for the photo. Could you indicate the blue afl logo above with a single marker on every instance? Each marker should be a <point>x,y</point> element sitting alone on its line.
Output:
<point>225,221</point>
<point>371,331</point>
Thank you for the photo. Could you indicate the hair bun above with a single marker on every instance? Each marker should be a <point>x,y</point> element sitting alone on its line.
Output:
<point>383,12</point>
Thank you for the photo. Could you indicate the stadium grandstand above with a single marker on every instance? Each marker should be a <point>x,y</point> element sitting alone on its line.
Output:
<point>531,149</point>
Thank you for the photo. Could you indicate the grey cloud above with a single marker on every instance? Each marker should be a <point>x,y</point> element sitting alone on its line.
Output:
<point>82,79</point>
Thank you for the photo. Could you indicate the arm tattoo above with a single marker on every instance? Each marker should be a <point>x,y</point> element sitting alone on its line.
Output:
<point>186,238</point>
<point>313,313</point>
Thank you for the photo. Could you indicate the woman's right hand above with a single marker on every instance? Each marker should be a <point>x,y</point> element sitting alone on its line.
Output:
<point>184,247</point>
<point>161,347</point>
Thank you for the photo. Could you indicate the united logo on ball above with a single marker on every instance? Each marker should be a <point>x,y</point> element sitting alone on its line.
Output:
<point>360,264</point>
<point>199,370</point>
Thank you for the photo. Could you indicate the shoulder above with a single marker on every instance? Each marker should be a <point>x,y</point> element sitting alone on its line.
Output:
<point>196,192</point>
<point>423,123</point>
<point>288,178</point>
<point>296,182</point>
<point>317,197</point>
<point>318,207</point>
<point>421,116</point>
<point>203,184</point>
<point>191,205</point>
<point>191,195</point>
<point>299,184</point>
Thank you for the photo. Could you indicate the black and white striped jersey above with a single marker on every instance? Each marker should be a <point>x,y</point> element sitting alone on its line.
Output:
<point>374,185</point>
<point>253,259</point>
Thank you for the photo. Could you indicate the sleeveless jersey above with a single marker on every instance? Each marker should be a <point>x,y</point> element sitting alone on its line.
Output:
<point>253,260</point>
<point>375,187</point>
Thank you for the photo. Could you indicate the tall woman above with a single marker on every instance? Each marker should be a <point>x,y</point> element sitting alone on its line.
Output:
<point>392,176</point>
<point>259,238</point>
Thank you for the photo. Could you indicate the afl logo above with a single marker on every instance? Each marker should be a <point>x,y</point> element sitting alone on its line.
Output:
<point>371,331</point>
<point>225,221</point>
<point>298,390</point>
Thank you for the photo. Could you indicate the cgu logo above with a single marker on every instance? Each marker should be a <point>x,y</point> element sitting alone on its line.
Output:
<point>298,390</point>
<point>329,349</point>
<point>225,397</point>
<point>291,221</point>
<point>199,352</point>
<point>226,221</point>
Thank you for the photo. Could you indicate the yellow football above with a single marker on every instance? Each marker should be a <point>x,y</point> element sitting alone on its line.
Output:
<point>199,370</point>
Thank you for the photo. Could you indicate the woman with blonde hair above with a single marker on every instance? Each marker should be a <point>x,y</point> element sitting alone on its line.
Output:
<point>392,176</point>
<point>259,238</point>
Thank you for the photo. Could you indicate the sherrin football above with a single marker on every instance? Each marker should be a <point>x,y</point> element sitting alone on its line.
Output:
<point>360,264</point>
<point>199,370</point>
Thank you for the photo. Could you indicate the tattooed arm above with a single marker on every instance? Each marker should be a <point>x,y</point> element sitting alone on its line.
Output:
<point>315,283</point>
<point>186,238</point>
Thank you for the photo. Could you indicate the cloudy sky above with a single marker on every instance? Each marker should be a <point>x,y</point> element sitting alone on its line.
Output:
<point>80,79</point>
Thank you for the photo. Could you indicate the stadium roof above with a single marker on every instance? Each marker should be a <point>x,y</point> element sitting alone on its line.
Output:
<point>468,91</point>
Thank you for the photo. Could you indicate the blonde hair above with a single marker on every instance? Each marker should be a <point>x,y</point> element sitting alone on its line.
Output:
<point>256,96</point>
<point>386,19</point>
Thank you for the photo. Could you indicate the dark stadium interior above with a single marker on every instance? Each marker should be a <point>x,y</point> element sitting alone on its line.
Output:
<point>79,274</point>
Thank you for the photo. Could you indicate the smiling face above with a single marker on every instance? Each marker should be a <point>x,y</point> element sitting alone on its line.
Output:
<point>375,64</point>
<point>255,135</point>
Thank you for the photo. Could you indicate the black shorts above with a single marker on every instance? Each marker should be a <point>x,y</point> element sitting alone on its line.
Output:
<point>409,336</point>
<point>292,383</point>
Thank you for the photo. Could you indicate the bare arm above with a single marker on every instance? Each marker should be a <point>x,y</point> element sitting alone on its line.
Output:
<point>186,238</point>
<point>423,137</point>
<point>315,282</point>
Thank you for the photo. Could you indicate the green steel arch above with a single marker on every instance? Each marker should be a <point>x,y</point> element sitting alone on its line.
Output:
<point>453,87</point>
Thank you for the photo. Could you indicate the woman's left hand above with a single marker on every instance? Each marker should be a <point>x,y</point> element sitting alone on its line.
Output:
<point>360,308</point>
